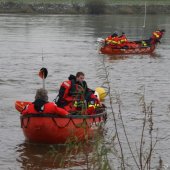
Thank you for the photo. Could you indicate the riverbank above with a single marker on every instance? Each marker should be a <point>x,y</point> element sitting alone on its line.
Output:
<point>81,8</point>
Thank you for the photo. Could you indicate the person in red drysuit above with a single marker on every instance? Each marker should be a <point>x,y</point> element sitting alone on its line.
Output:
<point>41,105</point>
<point>75,94</point>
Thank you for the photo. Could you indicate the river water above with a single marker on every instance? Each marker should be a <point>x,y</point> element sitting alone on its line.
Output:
<point>66,44</point>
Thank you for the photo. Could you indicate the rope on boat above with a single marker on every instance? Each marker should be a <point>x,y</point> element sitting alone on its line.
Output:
<point>96,119</point>
<point>60,126</point>
<point>22,122</point>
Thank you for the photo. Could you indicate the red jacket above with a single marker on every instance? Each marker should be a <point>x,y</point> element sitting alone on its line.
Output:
<point>49,107</point>
<point>113,40</point>
<point>69,92</point>
<point>67,85</point>
<point>157,35</point>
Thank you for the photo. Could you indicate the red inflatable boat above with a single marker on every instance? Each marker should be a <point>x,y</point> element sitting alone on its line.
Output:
<point>54,129</point>
<point>131,47</point>
<point>107,49</point>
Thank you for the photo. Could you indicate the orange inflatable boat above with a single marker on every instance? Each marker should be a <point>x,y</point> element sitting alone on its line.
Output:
<point>54,129</point>
<point>146,46</point>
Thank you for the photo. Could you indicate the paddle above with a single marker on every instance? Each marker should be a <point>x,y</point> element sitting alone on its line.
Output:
<point>43,74</point>
<point>20,105</point>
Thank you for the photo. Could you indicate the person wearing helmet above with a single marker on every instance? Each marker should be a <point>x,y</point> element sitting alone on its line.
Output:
<point>113,40</point>
<point>156,36</point>
<point>115,34</point>
<point>162,30</point>
<point>123,40</point>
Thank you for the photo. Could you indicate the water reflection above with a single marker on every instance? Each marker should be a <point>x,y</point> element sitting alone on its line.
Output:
<point>113,58</point>
<point>155,55</point>
<point>38,156</point>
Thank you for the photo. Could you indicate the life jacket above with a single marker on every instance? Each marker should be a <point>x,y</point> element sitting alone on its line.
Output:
<point>108,40</point>
<point>74,96</point>
<point>123,39</point>
<point>66,86</point>
<point>78,90</point>
<point>49,107</point>
<point>156,36</point>
<point>144,44</point>
<point>160,34</point>
<point>78,93</point>
<point>112,40</point>
<point>72,90</point>
<point>115,40</point>
<point>69,92</point>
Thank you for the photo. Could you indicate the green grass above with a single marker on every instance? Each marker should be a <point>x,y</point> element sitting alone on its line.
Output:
<point>137,2</point>
<point>43,1</point>
<point>133,2</point>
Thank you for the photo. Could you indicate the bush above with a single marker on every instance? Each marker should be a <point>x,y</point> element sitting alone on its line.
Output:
<point>96,6</point>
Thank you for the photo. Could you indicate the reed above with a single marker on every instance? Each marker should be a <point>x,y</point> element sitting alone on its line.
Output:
<point>142,156</point>
<point>117,152</point>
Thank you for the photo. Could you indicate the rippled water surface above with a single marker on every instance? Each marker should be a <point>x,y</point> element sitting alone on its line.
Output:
<point>68,44</point>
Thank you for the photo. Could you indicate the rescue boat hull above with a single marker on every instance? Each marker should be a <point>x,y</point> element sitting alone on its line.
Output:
<point>52,129</point>
<point>107,49</point>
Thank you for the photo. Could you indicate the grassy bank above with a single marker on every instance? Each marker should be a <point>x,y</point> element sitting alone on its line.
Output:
<point>130,2</point>
<point>85,6</point>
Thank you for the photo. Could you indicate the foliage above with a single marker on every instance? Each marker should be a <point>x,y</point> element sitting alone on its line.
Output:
<point>141,156</point>
<point>96,6</point>
<point>86,1</point>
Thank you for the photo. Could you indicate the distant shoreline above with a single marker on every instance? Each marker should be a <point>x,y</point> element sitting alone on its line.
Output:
<point>48,8</point>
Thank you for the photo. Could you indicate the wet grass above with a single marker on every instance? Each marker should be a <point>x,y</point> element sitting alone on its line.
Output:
<point>121,2</point>
<point>43,1</point>
<point>139,2</point>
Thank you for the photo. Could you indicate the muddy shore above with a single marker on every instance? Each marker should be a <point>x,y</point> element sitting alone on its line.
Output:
<point>41,8</point>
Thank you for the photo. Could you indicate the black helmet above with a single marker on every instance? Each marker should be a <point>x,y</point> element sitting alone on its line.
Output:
<point>163,30</point>
<point>115,34</point>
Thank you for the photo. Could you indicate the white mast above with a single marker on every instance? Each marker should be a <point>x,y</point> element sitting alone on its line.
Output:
<point>144,17</point>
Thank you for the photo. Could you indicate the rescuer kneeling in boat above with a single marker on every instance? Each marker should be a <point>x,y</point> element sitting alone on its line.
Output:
<point>117,41</point>
<point>113,39</point>
<point>41,105</point>
<point>156,36</point>
<point>75,95</point>
<point>123,40</point>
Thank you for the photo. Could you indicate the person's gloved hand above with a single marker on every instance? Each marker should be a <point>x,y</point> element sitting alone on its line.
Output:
<point>78,103</point>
